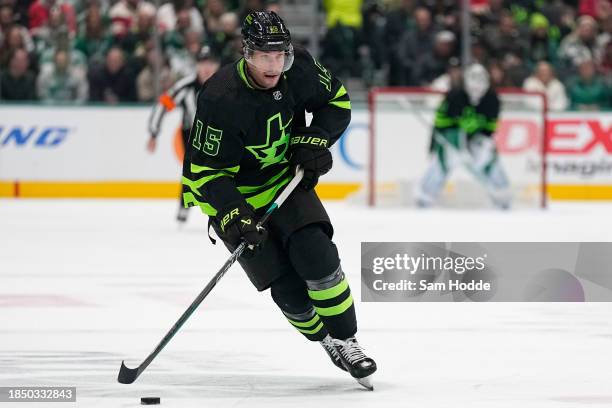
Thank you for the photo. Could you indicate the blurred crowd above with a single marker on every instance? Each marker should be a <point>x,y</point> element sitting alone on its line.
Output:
<point>104,50</point>
<point>562,48</point>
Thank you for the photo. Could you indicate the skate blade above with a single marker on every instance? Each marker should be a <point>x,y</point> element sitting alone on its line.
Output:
<point>366,382</point>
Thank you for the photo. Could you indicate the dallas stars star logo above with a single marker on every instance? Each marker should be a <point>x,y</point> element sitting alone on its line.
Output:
<point>277,142</point>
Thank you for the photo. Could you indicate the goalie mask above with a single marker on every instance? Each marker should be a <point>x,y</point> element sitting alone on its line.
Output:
<point>476,82</point>
<point>266,31</point>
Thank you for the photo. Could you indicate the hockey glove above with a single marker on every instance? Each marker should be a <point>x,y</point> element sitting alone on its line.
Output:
<point>237,223</point>
<point>309,149</point>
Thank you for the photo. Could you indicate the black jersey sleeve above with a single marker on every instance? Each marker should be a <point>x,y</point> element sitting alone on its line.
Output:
<point>489,113</point>
<point>324,96</point>
<point>212,158</point>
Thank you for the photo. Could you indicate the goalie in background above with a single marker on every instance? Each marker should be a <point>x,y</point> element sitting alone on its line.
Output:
<point>463,132</point>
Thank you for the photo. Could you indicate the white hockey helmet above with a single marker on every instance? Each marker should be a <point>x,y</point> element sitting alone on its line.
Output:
<point>476,82</point>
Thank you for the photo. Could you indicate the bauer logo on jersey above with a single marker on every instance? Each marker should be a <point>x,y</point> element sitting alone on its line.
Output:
<point>277,142</point>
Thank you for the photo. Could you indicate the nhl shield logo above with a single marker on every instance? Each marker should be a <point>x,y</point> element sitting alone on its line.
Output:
<point>277,95</point>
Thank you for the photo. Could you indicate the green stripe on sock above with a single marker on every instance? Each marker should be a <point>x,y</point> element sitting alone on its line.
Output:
<point>304,324</point>
<point>329,293</point>
<point>313,331</point>
<point>335,310</point>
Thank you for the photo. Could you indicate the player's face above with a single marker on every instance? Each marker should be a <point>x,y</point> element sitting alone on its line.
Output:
<point>266,67</point>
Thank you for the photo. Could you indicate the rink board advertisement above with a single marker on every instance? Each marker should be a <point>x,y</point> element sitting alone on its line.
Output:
<point>93,151</point>
<point>486,272</point>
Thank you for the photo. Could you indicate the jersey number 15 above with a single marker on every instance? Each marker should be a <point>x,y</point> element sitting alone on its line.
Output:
<point>212,140</point>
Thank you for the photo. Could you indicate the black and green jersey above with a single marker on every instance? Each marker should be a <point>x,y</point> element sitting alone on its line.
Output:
<point>238,143</point>
<point>456,112</point>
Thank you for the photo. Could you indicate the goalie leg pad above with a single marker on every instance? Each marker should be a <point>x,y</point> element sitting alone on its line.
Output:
<point>498,185</point>
<point>432,183</point>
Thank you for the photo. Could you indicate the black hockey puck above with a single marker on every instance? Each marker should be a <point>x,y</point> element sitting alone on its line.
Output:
<point>150,400</point>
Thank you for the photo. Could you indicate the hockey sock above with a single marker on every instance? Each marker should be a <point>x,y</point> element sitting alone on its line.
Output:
<point>308,323</point>
<point>315,259</point>
<point>289,294</point>
<point>333,302</point>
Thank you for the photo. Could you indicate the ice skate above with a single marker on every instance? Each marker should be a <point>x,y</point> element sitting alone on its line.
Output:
<point>360,366</point>
<point>332,352</point>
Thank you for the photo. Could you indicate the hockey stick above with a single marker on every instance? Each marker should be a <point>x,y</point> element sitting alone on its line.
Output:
<point>129,375</point>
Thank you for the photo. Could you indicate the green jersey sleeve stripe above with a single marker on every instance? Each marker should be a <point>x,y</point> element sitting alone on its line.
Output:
<point>491,125</point>
<point>341,92</point>
<point>199,169</point>
<point>206,208</point>
<point>444,122</point>
<point>341,104</point>
<point>196,184</point>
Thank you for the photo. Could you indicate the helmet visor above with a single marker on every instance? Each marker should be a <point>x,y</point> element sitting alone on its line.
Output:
<point>274,61</point>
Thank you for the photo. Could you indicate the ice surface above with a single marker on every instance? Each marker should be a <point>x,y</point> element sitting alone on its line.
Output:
<point>86,284</point>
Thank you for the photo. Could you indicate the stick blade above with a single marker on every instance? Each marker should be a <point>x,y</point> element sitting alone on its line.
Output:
<point>127,375</point>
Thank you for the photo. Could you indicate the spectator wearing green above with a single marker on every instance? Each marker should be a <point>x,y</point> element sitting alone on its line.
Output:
<point>94,39</point>
<point>78,60</point>
<point>588,91</point>
<point>62,82</point>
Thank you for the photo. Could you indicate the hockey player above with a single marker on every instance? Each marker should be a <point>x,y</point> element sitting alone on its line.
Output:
<point>248,137</point>
<point>463,135</point>
<point>183,94</point>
